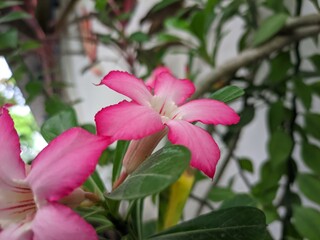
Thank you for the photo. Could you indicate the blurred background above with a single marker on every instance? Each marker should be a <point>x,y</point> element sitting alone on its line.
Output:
<point>54,53</point>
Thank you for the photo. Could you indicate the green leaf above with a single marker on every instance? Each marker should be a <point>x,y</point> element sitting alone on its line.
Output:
<point>304,92</point>
<point>10,3</point>
<point>269,27</point>
<point>309,184</point>
<point>277,115</point>
<point>58,123</point>
<point>311,156</point>
<point>307,222</point>
<point>280,146</point>
<point>120,151</point>
<point>139,37</point>
<point>9,39</point>
<point>154,174</point>
<point>162,4</point>
<point>227,94</point>
<point>278,74</point>
<point>34,89</point>
<point>239,200</point>
<point>94,183</point>
<point>239,223</point>
<point>30,45</point>
<point>101,5</point>
<point>218,194</point>
<point>12,16</point>
<point>54,105</point>
<point>315,59</point>
<point>246,164</point>
<point>312,124</point>
<point>177,23</point>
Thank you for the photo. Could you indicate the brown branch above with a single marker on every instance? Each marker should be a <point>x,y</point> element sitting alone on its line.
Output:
<point>61,23</point>
<point>308,20</point>
<point>230,67</point>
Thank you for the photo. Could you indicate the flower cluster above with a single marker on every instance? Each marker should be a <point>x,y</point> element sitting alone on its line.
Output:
<point>35,199</point>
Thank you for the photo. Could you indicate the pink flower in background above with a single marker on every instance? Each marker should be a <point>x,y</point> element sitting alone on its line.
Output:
<point>148,117</point>
<point>31,196</point>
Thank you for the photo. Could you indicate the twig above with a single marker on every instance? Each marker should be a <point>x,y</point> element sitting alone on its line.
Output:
<point>201,201</point>
<point>230,67</point>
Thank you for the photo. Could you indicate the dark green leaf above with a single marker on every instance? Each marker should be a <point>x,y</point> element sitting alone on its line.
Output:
<point>278,74</point>
<point>218,194</point>
<point>33,88</point>
<point>280,146</point>
<point>275,5</point>
<point>246,116</point>
<point>94,183</point>
<point>312,124</point>
<point>139,37</point>
<point>315,59</point>
<point>9,39</point>
<point>276,116</point>
<point>12,16</point>
<point>55,105</point>
<point>117,162</point>
<point>58,123</point>
<point>227,94</point>
<point>311,156</point>
<point>270,27</point>
<point>246,164</point>
<point>162,4</point>
<point>239,200</point>
<point>310,185</point>
<point>304,92</point>
<point>89,127</point>
<point>307,222</point>
<point>154,174</point>
<point>11,3</point>
<point>239,223</point>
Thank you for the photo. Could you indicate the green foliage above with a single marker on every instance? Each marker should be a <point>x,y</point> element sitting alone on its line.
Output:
<point>307,220</point>
<point>154,174</point>
<point>12,16</point>
<point>227,94</point>
<point>9,39</point>
<point>309,184</point>
<point>237,223</point>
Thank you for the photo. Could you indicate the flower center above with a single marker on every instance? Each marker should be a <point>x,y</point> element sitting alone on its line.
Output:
<point>17,204</point>
<point>166,108</point>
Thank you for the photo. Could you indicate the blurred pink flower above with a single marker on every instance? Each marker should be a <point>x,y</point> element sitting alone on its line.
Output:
<point>149,116</point>
<point>31,196</point>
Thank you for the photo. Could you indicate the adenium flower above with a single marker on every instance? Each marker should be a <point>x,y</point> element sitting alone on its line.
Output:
<point>153,114</point>
<point>33,198</point>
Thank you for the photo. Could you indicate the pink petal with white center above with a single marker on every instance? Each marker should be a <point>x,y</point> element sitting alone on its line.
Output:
<point>57,222</point>
<point>21,231</point>
<point>127,121</point>
<point>11,165</point>
<point>208,111</point>
<point>128,85</point>
<point>65,164</point>
<point>173,89</point>
<point>151,81</point>
<point>205,152</point>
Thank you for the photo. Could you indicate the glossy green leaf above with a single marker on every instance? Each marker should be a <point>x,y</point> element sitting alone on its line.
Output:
<point>307,222</point>
<point>9,39</point>
<point>309,184</point>
<point>58,123</point>
<point>311,156</point>
<point>239,223</point>
<point>276,116</point>
<point>219,194</point>
<point>280,146</point>
<point>238,200</point>
<point>227,94</point>
<point>246,164</point>
<point>278,74</point>
<point>11,3</point>
<point>15,15</point>
<point>312,124</point>
<point>270,27</point>
<point>154,174</point>
<point>304,92</point>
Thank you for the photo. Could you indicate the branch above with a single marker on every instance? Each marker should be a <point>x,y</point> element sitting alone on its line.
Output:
<point>230,67</point>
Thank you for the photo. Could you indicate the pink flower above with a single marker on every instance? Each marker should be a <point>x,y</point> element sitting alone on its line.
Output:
<point>151,80</point>
<point>148,117</point>
<point>30,195</point>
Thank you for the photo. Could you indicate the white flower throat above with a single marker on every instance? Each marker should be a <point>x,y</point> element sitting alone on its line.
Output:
<point>166,108</point>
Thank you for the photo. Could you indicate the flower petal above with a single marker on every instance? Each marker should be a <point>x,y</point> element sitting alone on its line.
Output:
<point>17,232</point>
<point>173,89</point>
<point>57,222</point>
<point>11,165</point>
<point>65,164</point>
<point>208,111</point>
<point>151,80</point>
<point>128,121</point>
<point>205,152</point>
<point>128,85</point>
